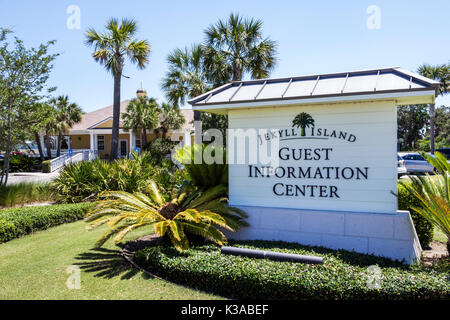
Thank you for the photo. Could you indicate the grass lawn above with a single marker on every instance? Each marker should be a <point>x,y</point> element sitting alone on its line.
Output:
<point>34,267</point>
<point>439,236</point>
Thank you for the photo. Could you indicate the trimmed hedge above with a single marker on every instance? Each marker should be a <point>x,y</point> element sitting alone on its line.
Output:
<point>343,275</point>
<point>17,222</point>
<point>423,227</point>
<point>46,166</point>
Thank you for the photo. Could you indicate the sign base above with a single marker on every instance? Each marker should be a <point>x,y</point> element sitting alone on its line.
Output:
<point>386,235</point>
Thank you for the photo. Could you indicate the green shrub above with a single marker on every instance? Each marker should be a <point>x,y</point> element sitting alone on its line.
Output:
<point>208,173</point>
<point>46,166</point>
<point>343,275</point>
<point>26,192</point>
<point>17,222</point>
<point>20,162</point>
<point>85,180</point>
<point>423,227</point>
<point>159,149</point>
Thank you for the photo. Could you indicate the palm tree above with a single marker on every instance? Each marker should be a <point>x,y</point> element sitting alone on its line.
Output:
<point>142,114</point>
<point>67,114</point>
<point>236,46</point>
<point>186,77</point>
<point>111,50</point>
<point>192,210</point>
<point>303,120</point>
<point>171,118</point>
<point>440,73</point>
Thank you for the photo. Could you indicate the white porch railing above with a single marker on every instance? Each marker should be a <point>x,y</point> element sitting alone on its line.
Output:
<point>57,163</point>
<point>78,156</point>
<point>74,159</point>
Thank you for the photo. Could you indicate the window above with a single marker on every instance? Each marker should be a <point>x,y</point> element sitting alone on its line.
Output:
<point>101,143</point>
<point>414,157</point>
<point>138,142</point>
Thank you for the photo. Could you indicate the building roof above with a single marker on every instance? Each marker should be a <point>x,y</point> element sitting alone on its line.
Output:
<point>337,85</point>
<point>91,119</point>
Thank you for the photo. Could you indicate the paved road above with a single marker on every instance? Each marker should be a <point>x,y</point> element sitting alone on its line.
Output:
<point>31,177</point>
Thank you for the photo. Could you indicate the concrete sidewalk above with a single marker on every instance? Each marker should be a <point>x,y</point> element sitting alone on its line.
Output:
<point>18,177</point>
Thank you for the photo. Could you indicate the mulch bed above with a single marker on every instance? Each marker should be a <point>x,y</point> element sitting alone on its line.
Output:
<point>131,247</point>
<point>437,251</point>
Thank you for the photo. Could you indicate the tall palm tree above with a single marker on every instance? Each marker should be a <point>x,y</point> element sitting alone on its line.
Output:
<point>235,47</point>
<point>440,73</point>
<point>67,114</point>
<point>142,114</point>
<point>171,118</point>
<point>186,77</point>
<point>111,50</point>
<point>303,120</point>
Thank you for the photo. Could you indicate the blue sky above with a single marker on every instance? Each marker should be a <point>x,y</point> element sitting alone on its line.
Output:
<point>313,37</point>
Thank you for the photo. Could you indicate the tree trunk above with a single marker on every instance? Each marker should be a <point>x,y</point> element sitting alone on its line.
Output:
<point>5,172</point>
<point>116,116</point>
<point>58,150</point>
<point>432,128</point>
<point>237,72</point>
<point>48,145</point>
<point>144,138</point>
<point>39,145</point>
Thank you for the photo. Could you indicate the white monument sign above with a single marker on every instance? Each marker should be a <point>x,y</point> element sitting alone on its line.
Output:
<point>334,168</point>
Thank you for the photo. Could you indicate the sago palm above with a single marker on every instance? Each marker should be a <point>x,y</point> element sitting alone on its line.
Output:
<point>212,170</point>
<point>433,193</point>
<point>191,211</point>
<point>303,120</point>
<point>142,114</point>
<point>111,50</point>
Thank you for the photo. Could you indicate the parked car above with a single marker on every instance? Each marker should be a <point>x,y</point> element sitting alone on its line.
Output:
<point>401,169</point>
<point>415,163</point>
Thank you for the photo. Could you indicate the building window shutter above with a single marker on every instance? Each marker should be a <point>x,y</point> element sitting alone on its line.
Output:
<point>100,143</point>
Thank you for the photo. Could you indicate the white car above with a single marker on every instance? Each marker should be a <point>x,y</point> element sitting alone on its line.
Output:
<point>415,163</point>
<point>401,169</point>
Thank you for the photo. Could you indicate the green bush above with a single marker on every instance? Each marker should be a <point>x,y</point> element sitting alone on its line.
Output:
<point>343,275</point>
<point>204,174</point>
<point>25,192</point>
<point>159,149</point>
<point>46,166</point>
<point>85,180</point>
<point>17,222</point>
<point>19,162</point>
<point>423,227</point>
